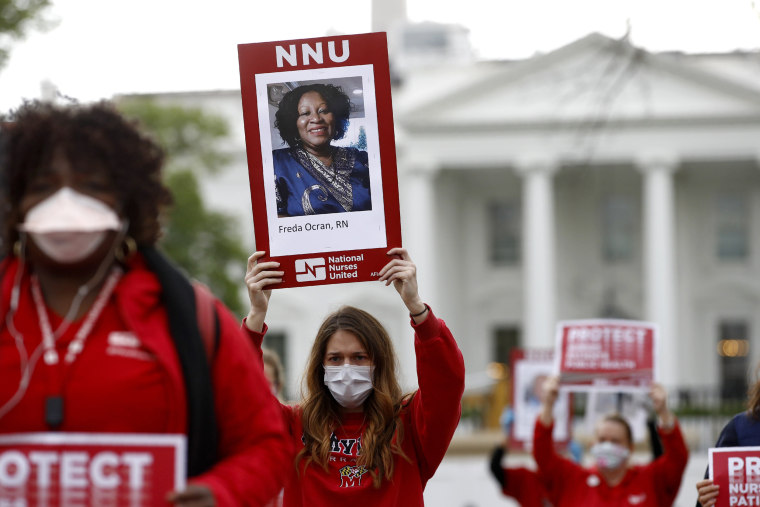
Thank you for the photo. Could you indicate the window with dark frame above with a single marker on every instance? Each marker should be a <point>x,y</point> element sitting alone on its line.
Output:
<point>505,339</point>
<point>733,346</point>
<point>504,230</point>
<point>732,226</point>
<point>620,221</point>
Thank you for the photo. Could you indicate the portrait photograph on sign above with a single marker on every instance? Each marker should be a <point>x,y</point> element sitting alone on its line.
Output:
<point>320,153</point>
<point>321,156</point>
<point>529,369</point>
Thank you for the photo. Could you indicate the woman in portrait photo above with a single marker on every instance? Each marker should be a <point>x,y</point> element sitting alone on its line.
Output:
<point>312,175</point>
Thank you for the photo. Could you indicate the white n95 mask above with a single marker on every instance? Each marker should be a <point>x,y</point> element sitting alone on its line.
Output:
<point>68,226</point>
<point>349,384</point>
<point>608,455</point>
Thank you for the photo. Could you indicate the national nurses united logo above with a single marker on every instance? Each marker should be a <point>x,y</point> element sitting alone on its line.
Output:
<point>311,270</point>
<point>351,476</point>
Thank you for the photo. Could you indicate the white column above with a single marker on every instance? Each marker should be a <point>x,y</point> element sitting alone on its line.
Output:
<point>418,227</point>
<point>538,257</point>
<point>418,219</point>
<point>659,259</point>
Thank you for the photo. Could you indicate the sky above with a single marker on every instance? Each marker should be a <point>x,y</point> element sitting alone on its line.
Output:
<point>98,48</point>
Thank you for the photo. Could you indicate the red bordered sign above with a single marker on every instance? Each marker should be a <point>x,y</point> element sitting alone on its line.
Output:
<point>321,226</point>
<point>61,469</point>
<point>529,368</point>
<point>737,471</point>
<point>606,354</point>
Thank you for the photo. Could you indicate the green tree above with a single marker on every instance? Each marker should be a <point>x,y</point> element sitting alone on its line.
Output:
<point>17,17</point>
<point>361,143</point>
<point>205,243</point>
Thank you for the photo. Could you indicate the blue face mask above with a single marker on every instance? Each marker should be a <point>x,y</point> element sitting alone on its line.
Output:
<point>608,455</point>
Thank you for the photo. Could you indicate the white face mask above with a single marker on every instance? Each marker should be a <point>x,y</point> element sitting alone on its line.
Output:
<point>608,455</point>
<point>349,384</point>
<point>68,226</point>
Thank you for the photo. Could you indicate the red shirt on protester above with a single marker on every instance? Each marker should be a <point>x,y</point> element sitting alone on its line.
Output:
<point>525,486</point>
<point>429,421</point>
<point>127,379</point>
<point>653,485</point>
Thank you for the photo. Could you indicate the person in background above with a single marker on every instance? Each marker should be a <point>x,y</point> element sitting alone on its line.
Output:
<point>743,430</point>
<point>273,371</point>
<point>613,480</point>
<point>527,486</point>
<point>312,176</point>
<point>360,440</point>
<point>98,331</point>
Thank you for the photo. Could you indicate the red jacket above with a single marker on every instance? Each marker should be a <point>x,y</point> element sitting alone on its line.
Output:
<point>652,485</point>
<point>525,486</point>
<point>127,379</point>
<point>429,421</point>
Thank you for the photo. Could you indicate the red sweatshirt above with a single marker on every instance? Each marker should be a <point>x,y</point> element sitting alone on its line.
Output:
<point>429,421</point>
<point>525,486</point>
<point>127,379</point>
<point>652,485</point>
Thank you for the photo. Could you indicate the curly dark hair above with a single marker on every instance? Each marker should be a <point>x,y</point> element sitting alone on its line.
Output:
<point>287,110</point>
<point>92,137</point>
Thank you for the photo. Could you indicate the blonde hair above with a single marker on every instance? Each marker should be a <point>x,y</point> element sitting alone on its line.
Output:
<point>320,411</point>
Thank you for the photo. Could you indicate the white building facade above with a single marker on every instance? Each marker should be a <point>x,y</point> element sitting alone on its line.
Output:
<point>597,180</point>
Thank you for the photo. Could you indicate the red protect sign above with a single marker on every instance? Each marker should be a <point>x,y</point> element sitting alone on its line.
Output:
<point>316,246</point>
<point>737,471</point>
<point>606,354</point>
<point>63,469</point>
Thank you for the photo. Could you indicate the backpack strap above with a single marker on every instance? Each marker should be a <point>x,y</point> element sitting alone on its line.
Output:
<point>178,297</point>
<point>208,320</point>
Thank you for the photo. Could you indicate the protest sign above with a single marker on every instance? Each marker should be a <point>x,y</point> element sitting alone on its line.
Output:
<point>63,469</point>
<point>529,368</point>
<point>634,406</point>
<point>737,471</point>
<point>321,156</point>
<point>606,354</point>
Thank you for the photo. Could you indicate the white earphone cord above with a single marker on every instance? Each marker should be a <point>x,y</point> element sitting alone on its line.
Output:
<point>26,363</point>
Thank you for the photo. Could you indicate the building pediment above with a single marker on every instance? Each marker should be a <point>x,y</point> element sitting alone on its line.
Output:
<point>593,80</point>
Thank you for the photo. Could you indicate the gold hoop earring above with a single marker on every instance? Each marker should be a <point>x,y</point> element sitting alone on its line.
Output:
<point>18,249</point>
<point>126,249</point>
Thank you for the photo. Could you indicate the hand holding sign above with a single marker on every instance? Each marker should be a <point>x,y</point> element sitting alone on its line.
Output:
<point>259,278</point>
<point>734,477</point>
<point>708,492</point>
<point>194,495</point>
<point>549,396</point>
<point>402,272</point>
<point>660,405</point>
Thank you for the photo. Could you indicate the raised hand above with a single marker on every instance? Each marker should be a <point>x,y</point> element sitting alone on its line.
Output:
<point>259,276</point>
<point>708,492</point>
<point>402,273</point>
<point>549,396</point>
